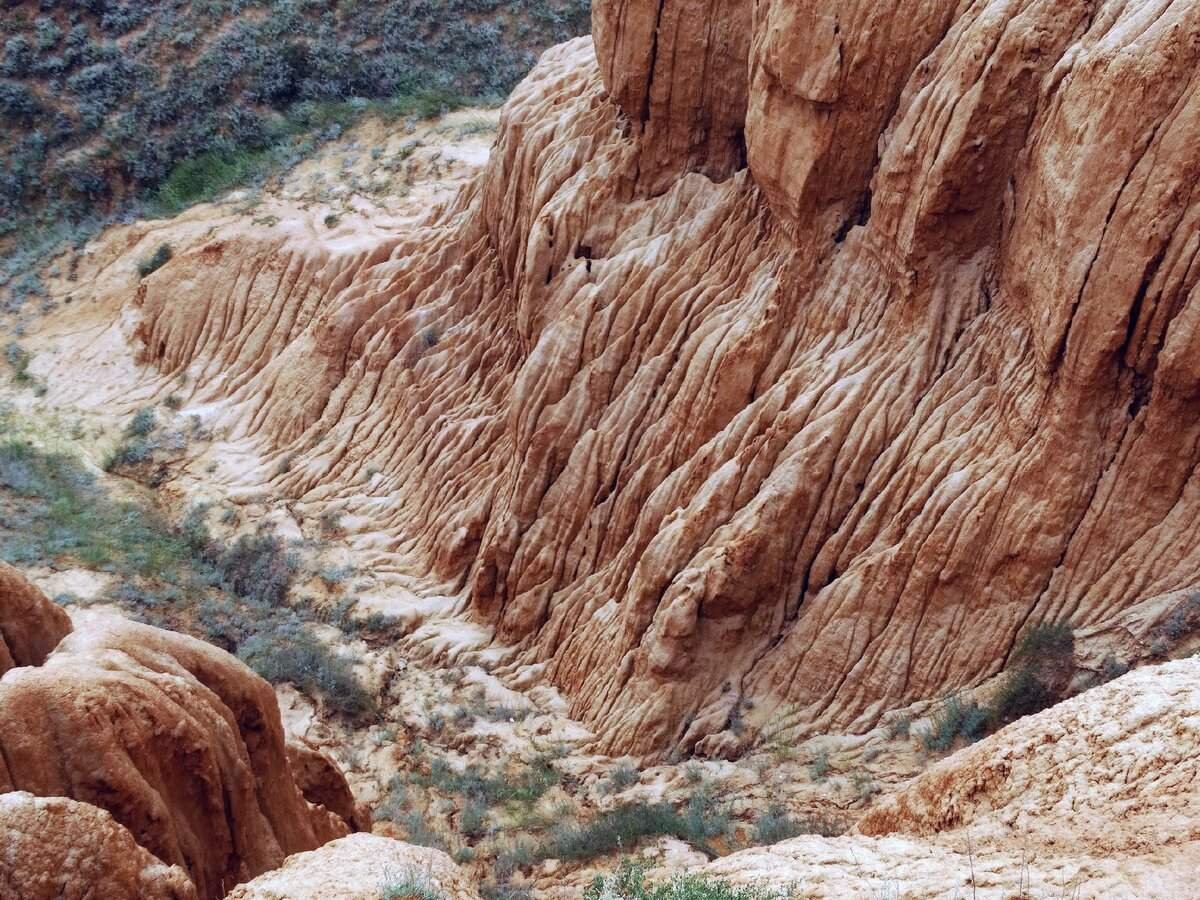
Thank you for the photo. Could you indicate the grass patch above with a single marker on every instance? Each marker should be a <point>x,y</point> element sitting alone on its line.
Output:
<point>629,883</point>
<point>412,886</point>
<point>209,175</point>
<point>622,827</point>
<point>69,516</point>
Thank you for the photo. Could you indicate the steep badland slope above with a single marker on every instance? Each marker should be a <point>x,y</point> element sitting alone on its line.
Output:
<point>799,360</point>
<point>177,740</point>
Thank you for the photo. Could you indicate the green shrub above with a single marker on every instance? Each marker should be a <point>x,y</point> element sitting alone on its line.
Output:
<point>955,720</point>
<point>703,816</point>
<point>155,261</point>
<point>472,820</point>
<point>290,653</point>
<point>818,769</point>
<point>138,446</point>
<point>257,568</point>
<point>510,859</point>
<point>618,828</point>
<point>1043,663</point>
<point>1021,693</point>
<point>1046,641</point>
<point>143,422</point>
<point>777,824</point>
<point>527,785</point>
<point>622,777</point>
<point>18,360</point>
<point>900,727</point>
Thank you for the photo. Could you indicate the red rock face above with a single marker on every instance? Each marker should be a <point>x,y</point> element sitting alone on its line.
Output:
<point>59,849</point>
<point>677,69</point>
<point>826,431</point>
<point>30,625</point>
<point>178,740</point>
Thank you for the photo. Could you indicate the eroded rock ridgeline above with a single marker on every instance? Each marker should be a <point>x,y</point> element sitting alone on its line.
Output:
<point>790,354</point>
<point>149,739</point>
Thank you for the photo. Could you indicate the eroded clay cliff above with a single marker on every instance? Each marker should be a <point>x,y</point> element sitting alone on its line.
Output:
<point>792,354</point>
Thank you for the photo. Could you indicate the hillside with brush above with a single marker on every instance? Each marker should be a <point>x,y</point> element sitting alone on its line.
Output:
<point>110,109</point>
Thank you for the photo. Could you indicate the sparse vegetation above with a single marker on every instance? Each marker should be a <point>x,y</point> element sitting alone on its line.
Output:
<point>54,510</point>
<point>111,108</point>
<point>629,883</point>
<point>412,886</point>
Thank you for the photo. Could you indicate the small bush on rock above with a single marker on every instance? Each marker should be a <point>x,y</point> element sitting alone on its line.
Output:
<point>155,261</point>
<point>1041,674</point>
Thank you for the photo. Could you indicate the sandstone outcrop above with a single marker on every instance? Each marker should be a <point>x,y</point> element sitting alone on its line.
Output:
<point>1105,771</point>
<point>177,739</point>
<point>360,867</point>
<point>825,430</point>
<point>1095,797</point>
<point>59,849</point>
<point>30,625</point>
